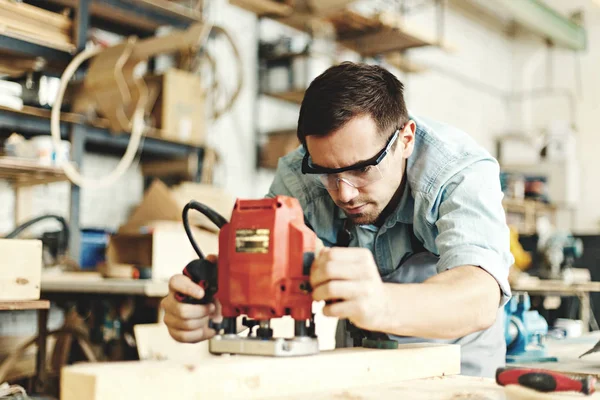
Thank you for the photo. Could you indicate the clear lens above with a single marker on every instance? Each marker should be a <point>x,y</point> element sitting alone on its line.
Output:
<point>356,178</point>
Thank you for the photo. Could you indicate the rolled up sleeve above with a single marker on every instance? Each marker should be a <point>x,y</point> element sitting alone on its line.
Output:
<point>471,224</point>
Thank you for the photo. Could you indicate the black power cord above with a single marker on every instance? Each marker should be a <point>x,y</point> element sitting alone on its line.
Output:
<point>62,242</point>
<point>211,214</point>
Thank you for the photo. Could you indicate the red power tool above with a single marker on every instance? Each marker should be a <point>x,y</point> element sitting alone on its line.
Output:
<point>544,380</point>
<point>265,255</point>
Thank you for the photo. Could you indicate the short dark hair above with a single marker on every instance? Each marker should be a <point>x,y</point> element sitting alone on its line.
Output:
<point>349,90</point>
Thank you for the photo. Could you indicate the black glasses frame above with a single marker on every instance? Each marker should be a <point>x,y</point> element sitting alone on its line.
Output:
<point>307,168</point>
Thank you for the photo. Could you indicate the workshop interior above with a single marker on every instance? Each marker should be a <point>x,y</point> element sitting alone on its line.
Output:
<point>138,138</point>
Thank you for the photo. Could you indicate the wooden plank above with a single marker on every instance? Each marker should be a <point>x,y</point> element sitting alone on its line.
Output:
<point>367,35</point>
<point>108,13</point>
<point>20,269</point>
<point>172,8</point>
<point>324,7</point>
<point>554,286</point>
<point>33,13</point>
<point>455,387</point>
<point>23,172</point>
<point>42,41</point>
<point>24,305</point>
<point>350,24</point>
<point>247,377</point>
<point>18,19</point>
<point>33,27</point>
<point>73,284</point>
<point>45,114</point>
<point>264,7</point>
<point>384,41</point>
<point>155,343</point>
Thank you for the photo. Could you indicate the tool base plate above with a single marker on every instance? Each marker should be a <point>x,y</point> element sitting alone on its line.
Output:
<point>275,347</point>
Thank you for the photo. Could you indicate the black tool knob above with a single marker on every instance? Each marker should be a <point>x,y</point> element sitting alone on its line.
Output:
<point>204,273</point>
<point>308,259</point>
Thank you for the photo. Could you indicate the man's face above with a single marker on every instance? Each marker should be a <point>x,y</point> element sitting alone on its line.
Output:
<point>356,141</point>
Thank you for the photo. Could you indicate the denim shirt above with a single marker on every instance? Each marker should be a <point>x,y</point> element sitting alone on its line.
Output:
<point>453,205</point>
<point>451,209</point>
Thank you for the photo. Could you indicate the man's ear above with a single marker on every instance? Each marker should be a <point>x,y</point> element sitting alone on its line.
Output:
<point>407,137</point>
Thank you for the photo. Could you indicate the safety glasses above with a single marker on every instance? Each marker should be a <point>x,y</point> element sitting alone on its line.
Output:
<point>357,175</point>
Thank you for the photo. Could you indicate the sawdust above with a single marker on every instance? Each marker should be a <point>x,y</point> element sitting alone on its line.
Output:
<point>190,367</point>
<point>469,396</point>
<point>347,396</point>
<point>252,382</point>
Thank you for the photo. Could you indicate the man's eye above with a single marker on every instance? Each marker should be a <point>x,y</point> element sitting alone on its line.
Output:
<point>364,169</point>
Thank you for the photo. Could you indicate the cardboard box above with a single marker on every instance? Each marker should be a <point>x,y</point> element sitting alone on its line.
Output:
<point>161,245</point>
<point>179,111</point>
<point>161,203</point>
<point>278,144</point>
<point>154,235</point>
<point>20,269</point>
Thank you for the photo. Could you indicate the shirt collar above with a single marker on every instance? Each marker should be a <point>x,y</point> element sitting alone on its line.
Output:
<point>404,211</point>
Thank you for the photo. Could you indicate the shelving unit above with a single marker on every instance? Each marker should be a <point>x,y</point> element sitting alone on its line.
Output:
<point>144,16</point>
<point>383,36</point>
<point>23,173</point>
<point>524,214</point>
<point>42,308</point>
<point>139,17</point>
<point>370,36</point>
<point>264,8</point>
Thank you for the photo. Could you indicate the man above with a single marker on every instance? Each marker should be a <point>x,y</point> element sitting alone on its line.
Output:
<point>410,211</point>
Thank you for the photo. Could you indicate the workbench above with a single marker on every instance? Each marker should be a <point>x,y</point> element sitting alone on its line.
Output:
<point>42,307</point>
<point>560,288</point>
<point>567,351</point>
<point>94,283</point>
<point>446,387</point>
<point>378,375</point>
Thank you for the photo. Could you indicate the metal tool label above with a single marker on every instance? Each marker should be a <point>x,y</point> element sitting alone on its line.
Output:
<point>252,240</point>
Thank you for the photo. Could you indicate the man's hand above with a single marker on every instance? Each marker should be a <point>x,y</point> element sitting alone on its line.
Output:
<point>188,323</point>
<point>348,280</point>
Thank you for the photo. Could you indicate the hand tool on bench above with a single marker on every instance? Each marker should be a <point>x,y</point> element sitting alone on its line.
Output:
<point>544,380</point>
<point>262,272</point>
<point>592,350</point>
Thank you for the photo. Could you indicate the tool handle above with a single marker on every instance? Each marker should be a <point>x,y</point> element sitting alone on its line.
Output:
<point>544,380</point>
<point>204,273</point>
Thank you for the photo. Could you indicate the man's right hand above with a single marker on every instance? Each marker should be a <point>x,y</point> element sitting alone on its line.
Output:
<point>188,323</point>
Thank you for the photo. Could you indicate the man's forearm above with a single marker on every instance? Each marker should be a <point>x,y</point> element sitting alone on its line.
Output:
<point>449,305</point>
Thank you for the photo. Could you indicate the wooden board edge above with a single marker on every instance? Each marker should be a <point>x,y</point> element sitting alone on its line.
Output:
<point>66,47</point>
<point>264,378</point>
<point>85,389</point>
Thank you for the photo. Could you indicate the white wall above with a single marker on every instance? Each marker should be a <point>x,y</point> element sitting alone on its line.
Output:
<point>467,88</point>
<point>568,75</point>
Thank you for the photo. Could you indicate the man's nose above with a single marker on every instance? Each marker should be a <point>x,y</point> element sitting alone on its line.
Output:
<point>346,192</point>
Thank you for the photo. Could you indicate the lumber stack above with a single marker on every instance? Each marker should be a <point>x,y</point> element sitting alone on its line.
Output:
<point>37,25</point>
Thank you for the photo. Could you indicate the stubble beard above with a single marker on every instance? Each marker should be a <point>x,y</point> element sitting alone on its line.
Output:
<point>364,218</point>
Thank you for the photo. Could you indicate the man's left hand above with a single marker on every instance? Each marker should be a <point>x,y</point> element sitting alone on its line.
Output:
<point>348,280</point>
